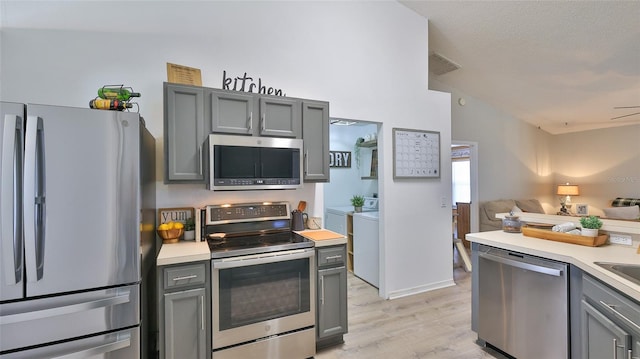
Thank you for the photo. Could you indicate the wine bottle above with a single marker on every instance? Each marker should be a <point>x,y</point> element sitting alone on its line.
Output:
<point>116,93</point>
<point>104,104</point>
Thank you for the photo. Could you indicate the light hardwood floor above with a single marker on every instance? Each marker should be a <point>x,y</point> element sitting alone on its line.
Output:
<point>436,324</point>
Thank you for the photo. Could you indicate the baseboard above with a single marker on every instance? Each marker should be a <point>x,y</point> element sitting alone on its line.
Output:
<point>421,289</point>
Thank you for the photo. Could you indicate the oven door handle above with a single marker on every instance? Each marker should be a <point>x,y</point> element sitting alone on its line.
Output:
<point>263,258</point>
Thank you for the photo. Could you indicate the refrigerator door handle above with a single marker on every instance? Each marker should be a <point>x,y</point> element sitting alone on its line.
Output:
<point>98,349</point>
<point>11,187</point>
<point>34,198</point>
<point>109,301</point>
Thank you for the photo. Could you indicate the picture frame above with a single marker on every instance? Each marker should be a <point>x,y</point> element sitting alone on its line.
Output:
<point>582,209</point>
<point>416,153</point>
<point>180,214</point>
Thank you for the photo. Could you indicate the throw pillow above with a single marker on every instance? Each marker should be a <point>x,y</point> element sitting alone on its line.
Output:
<point>631,212</point>
<point>499,206</point>
<point>530,205</point>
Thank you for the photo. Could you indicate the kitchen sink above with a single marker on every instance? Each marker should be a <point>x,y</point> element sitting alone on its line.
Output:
<point>628,271</point>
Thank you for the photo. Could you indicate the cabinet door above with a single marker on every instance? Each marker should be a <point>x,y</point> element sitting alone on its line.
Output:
<point>315,133</point>
<point>280,117</point>
<point>184,133</point>
<point>332,302</point>
<point>185,324</point>
<point>231,112</point>
<point>602,338</point>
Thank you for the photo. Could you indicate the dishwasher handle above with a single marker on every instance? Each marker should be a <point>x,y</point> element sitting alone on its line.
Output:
<point>522,265</point>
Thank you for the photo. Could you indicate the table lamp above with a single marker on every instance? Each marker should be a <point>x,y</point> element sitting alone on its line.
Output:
<point>566,191</point>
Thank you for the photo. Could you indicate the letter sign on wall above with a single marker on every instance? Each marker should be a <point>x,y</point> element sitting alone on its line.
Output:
<point>340,159</point>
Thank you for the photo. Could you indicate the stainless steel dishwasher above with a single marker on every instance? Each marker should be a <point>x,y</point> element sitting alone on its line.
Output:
<point>523,304</point>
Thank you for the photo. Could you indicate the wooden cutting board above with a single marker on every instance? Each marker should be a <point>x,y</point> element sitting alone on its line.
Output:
<point>321,234</point>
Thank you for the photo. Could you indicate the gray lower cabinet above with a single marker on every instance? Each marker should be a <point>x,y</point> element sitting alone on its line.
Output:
<point>315,134</point>
<point>185,130</point>
<point>610,323</point>
<point>331,323</point>
<point>184,311</point>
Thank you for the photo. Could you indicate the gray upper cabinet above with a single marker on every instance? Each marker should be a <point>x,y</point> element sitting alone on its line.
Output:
<point>231,112</point>
<point>185,130</point>
<point>315,133</point>
<point>280,117</point>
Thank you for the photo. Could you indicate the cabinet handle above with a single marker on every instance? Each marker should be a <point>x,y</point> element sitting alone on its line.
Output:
<point>202,313</point>
<point>322,290</point>
<point>613,309</point>
<point>185,277</point>
<point>250,121</point>
<point>629,354</point>
<point>306,162</point>
<point>262,124</point>
<point>334,257</point>
<point>615,349</point>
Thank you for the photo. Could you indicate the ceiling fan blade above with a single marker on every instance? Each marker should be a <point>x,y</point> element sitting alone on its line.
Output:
<point>631,114</point>
<point>621,107</point>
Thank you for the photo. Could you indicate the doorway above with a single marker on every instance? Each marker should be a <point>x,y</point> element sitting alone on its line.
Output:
<point>464,178</point>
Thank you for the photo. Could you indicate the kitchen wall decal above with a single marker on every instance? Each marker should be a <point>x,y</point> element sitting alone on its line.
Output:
<point>416,153</point>
<point>166,215</point>
<point>246,84</point>
<point>179,74</point>
<point>340,159</point>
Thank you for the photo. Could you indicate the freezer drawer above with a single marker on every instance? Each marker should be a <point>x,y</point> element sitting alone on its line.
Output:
<point>124,344</point>
<point>50,319</point>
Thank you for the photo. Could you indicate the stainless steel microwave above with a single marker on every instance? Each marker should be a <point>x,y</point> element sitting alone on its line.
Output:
<point>254,163</point>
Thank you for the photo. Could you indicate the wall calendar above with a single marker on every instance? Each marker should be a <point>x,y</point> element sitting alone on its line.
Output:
<point>416,153</point>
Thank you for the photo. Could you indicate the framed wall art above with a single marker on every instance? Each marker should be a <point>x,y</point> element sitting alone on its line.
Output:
<point>166,215</point>
<point>416,153</point>
<point>582,209</point>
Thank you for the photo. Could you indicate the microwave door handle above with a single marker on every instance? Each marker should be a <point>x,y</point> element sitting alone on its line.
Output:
<point>11,187</point>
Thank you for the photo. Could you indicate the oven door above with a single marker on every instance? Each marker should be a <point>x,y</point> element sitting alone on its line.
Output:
<point>262,295</point>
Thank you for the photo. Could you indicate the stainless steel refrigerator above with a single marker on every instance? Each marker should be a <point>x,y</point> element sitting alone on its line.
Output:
<point>74,231</point>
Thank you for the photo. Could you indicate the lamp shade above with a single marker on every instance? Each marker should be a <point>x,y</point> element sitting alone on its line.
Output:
<point>568,190</point>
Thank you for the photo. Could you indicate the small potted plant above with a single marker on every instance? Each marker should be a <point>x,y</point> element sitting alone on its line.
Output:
<point>590,226</point>
<point>189,229</point>
<point>357,202</point>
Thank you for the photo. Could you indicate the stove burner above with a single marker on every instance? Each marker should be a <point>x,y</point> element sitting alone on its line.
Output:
<point>258,243</point>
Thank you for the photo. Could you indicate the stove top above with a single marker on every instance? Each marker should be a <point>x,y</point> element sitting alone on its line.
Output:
<point>256,244</point>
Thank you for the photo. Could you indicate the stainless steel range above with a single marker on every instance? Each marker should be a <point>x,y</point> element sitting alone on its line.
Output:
<point>263,282</point>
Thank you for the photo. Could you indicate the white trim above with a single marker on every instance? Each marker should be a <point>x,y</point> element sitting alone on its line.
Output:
<point>421,289</point>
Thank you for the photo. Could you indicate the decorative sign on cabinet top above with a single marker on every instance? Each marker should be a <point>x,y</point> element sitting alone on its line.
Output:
<point>246,84</point>
<point>416,154</point>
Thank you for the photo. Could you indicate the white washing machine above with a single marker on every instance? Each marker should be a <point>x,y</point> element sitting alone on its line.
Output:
<point>366,257</point>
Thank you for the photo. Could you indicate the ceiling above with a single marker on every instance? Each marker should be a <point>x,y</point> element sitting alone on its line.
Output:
<point>559,65</point>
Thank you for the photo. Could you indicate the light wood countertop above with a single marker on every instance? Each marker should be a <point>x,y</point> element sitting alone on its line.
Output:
<point>582,257</point>
<point>183,252</point>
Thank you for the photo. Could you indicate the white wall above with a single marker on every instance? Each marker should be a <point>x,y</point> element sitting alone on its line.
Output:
<point>514,157</point>
<point>517,160</point>
<point>368,59</point>
<point>604,163</point>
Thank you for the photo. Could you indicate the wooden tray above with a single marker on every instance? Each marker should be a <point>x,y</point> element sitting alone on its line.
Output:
<point>564,237</point>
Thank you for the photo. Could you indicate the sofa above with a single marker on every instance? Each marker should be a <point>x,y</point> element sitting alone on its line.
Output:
<point>488,209</point>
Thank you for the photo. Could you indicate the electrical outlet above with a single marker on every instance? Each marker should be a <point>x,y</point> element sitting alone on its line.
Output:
<point>620,239</point>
